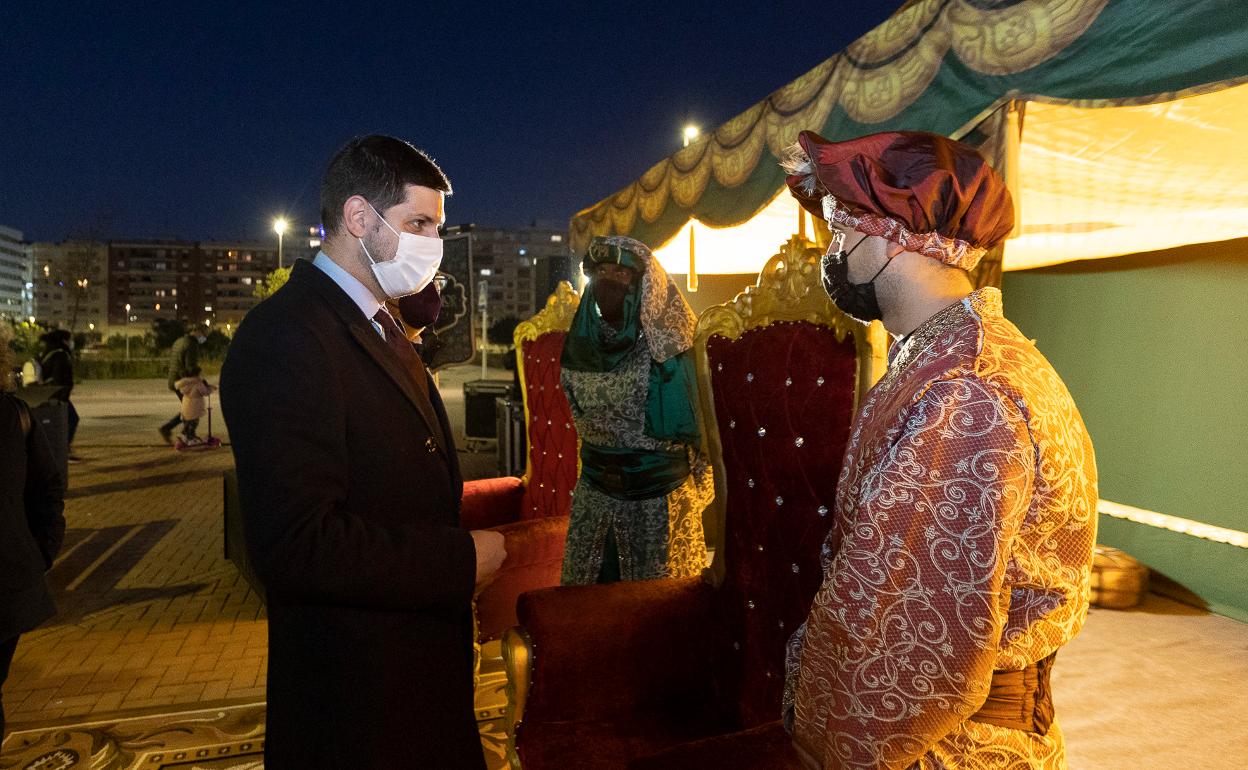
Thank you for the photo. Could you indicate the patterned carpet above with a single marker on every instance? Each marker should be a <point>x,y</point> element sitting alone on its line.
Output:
<point>227,738</point>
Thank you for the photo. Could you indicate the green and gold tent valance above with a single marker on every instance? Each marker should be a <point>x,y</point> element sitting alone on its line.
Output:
<point>962,68</point>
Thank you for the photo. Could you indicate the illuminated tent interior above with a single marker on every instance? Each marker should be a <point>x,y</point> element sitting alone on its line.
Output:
<point>1092,182</point>
<point>1119,125</point>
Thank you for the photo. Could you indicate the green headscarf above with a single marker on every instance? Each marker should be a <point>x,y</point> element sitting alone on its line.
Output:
<point>654,305</point>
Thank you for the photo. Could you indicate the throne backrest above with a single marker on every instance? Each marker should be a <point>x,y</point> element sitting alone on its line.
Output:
<point>780,370</point>
<point>553,455</point>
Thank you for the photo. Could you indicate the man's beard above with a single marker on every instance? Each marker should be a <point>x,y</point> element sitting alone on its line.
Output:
<point>379,247</point>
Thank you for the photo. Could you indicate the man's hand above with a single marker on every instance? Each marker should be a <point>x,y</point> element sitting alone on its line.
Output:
<point>490,555</point>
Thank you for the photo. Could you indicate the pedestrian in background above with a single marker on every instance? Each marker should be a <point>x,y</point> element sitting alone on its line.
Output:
<point>183,357</point>
<point>57,367</point>
<point>193,389</point>
<point>32,522</point>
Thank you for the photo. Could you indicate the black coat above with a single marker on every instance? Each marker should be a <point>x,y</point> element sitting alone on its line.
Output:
<point>32,524</point>
<point>183,357</point>
<point>350,491</point>
<point>57,368</point>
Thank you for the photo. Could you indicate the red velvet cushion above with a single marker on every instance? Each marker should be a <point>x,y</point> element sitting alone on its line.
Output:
<point>490,502</point>
<point>604,652</point>
<point>610,744</point>
<point>534,559</point>
<point>767,747</point>
<point>552,436</point>
<point>776,387</point>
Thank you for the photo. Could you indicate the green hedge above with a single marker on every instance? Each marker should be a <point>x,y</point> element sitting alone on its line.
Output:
<point>132,369</point>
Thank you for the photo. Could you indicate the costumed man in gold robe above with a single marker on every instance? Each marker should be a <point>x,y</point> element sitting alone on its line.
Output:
<point>961,554</point>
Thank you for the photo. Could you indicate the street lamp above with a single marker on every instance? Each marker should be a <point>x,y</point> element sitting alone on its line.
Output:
<point>691,133</point>
<point>127,331</point>
<point>279,227</point>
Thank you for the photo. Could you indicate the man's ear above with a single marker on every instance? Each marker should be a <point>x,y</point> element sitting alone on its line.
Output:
<point>355,216</point>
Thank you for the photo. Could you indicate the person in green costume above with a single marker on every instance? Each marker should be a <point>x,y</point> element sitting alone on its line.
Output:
<point>627,369</point>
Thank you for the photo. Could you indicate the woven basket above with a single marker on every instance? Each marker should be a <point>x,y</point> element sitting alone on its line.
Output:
<point>1118,580</point>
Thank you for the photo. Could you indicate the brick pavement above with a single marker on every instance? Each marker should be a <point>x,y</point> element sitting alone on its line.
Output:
<point>151,615</point>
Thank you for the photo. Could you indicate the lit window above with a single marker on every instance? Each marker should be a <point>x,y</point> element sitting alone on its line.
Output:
<point>556,239</point>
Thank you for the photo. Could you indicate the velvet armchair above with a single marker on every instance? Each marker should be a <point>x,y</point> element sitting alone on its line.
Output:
<point>531,512</point>
<point>690,673</point>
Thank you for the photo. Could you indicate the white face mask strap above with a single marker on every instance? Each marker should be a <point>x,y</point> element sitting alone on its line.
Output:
<point>379,216</point>
<point>384,222</point>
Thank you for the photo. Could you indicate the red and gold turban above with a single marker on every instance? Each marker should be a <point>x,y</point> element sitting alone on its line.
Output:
<point>925,192</point>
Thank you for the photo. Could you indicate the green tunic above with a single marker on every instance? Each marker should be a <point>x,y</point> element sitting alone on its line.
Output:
<point>656,537</point>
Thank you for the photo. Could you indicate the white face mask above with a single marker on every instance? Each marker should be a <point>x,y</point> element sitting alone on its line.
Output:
<point>415,262</point>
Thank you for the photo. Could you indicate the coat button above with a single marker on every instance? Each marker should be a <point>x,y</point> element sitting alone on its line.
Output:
<point>430,445</point>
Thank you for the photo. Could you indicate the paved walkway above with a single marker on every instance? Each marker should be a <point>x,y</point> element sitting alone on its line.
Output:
<point>151,613</point>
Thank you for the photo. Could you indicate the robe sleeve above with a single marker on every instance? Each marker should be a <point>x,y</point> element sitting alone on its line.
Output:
<point>903,634</point>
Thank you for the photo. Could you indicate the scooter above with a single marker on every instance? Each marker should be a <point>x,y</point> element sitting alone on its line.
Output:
<point>207,442</point>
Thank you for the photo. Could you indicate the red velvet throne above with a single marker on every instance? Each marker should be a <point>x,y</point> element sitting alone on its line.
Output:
<point>531,512</point>
<point>669,673</point>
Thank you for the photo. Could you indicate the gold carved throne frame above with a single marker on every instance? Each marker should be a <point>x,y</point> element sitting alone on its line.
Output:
<point>557,316</point>
<point>789,288</point>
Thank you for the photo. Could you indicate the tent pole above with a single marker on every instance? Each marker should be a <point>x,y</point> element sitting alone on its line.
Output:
<point>691,282</point>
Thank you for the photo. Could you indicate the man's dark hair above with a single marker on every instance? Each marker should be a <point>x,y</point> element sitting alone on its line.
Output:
<point>379,168</point>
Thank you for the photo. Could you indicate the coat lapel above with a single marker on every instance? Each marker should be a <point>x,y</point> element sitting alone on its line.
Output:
<point>372,343</point>
<point>376,347</point>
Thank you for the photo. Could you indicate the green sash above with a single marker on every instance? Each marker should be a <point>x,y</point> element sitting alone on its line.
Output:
<point>633,474</point>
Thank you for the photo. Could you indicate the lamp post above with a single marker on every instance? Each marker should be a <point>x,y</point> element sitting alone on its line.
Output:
<point>691,133</point>
<point>127,331</point>
<point>279,227</point>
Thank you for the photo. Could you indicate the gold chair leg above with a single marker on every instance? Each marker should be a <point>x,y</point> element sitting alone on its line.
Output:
<point>518,662</point>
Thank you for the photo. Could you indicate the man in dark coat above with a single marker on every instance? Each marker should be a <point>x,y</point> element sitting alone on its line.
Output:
<point>183,359</point>
<point>350,488</point>
<point>32,521</point>
<point>57,364</point>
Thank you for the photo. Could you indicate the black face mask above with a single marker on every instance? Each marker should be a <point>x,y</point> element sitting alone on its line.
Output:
<point>421,309</point>
<point>609,296</point>
<point>856,300</point>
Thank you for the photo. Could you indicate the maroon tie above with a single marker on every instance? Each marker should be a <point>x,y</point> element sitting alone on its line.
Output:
<point>403,349</point>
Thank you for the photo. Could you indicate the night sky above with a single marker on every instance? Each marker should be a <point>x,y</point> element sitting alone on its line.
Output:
<point>167,119</point>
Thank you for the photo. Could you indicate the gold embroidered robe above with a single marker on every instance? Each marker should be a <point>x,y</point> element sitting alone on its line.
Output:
<point>965,521</point>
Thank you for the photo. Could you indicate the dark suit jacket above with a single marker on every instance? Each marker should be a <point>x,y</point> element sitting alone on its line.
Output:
<point>350,493</point>
<point>32,524</point>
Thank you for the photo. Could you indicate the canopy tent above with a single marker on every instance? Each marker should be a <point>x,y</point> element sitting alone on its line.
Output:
<point>1119,125</point>
<point>1111,119</point>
